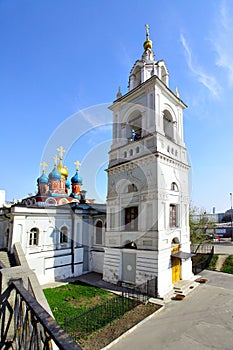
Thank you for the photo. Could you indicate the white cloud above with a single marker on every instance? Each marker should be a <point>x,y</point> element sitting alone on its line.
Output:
<point>222,40</point>
<point>207,80</point>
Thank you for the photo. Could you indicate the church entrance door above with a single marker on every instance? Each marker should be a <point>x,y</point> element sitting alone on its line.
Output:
<point>175,269</point>
<point>129,267</point>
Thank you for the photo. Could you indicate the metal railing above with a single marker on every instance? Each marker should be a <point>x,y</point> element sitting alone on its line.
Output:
<point>25,324</point>
<point>85,323</point>
<point>202,248</point>
<point>200,266</point>
<point>149,288</point>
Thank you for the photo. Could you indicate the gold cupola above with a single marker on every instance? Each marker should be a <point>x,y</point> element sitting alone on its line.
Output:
<point>148,43</point>
<point>63,170</point>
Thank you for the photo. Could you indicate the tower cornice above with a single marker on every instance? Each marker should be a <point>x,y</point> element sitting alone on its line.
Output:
<point>134,92</point>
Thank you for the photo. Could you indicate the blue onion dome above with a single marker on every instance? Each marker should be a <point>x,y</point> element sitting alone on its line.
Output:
<point>43,179</point>
<point>67,183</point>
<point>55,175</point>
<point>76,179</point>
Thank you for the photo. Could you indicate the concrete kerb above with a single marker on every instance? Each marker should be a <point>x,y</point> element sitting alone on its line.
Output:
<point>131,330</point>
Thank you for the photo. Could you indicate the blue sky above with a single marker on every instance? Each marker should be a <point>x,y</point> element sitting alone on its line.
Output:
<point>60,57</point>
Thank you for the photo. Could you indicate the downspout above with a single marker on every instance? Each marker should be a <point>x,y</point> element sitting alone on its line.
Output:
<point>72,238</point>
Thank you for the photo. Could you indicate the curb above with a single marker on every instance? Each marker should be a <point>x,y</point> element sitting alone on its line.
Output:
<point>115,341</point>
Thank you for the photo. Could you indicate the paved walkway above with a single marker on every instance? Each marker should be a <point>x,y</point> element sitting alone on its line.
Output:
<point>91,278</point>
<point>203,320</point>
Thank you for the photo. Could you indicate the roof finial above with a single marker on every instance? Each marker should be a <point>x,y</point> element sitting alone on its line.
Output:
<point>61,150</point>
<point>43,166</point>
<point>119,94</point>
<point>147,32</point>
<point>77,163</point>
<point>148,43</point>
<point>55,158</point>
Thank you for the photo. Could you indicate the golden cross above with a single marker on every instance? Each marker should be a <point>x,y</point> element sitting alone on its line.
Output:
<point>77,163</point>
<point>55,158</point>
<point>61,150</point>
<point>43,165</point>
<point>147,31</point>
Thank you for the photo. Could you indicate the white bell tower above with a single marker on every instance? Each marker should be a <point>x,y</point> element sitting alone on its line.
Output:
<point>148,197</point>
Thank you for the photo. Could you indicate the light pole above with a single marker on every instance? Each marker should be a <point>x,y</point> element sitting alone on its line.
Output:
<point>231,217</point>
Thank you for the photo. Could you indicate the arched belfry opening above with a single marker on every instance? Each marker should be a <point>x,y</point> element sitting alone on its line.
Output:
<point>134,127</point>
<point>168,125</point>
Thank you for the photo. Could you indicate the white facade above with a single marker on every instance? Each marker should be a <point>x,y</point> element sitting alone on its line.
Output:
<point>58,242</point>
<point>148,197</point>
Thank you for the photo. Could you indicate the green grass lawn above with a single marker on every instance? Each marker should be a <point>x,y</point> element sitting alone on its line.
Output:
<point>228,265</point>
<point>72,298</point>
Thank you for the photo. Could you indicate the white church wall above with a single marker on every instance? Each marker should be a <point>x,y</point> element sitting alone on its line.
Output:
<point>97,261</point>
<point>164,272</point>
<point>112,261</point>
<point>146,266</point>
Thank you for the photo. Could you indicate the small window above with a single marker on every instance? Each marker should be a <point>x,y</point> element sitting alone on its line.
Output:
<point>34,236</point>
<point>98,233</point>
<point>131,152</point>
<point>173,215</point>
<point>132,188</point>
<point>64,235</point>
<point>137,150</point>
<point>125,154</point>
<point>174,187</point>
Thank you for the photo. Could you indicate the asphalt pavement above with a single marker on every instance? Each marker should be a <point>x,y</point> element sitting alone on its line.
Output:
<point>223,247</point>
<point>203,320</point>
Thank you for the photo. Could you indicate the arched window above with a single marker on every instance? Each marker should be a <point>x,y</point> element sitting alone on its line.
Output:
<point>64,235</point>
<point>34,236</point>
<point>174,187</point>
<point>98,232</point>
<point>132,188</point>
<point>168,124</point>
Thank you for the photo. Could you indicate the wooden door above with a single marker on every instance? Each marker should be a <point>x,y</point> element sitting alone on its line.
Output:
<point>175,270</point>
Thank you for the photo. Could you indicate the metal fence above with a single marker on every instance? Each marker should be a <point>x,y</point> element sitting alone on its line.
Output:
<point>201,248</point>
<point>25,324</point>
<point>85,323</point>
<point>149,288</point>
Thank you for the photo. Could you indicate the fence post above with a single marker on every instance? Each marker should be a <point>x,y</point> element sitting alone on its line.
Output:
<point>123,304</point>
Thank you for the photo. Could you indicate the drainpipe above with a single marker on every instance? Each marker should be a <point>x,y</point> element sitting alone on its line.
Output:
<point>72,238</point>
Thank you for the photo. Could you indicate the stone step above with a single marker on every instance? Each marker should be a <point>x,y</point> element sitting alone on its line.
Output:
<point>183,287</point>
<point>6,259</point>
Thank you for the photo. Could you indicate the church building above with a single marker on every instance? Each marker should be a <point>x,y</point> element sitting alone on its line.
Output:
<point>145,234</point>
<point>148,196</point>
<point>60,231</point>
